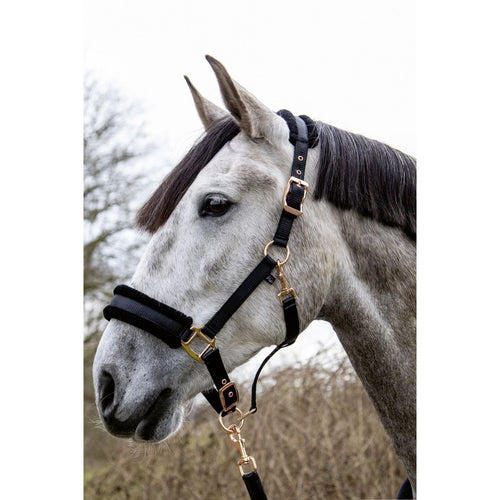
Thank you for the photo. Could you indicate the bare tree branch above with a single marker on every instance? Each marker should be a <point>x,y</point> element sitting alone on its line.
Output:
<point>114,143</point>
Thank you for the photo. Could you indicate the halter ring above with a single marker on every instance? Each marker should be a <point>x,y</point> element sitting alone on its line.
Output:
<point>233,427</point>
<point>266,249</point>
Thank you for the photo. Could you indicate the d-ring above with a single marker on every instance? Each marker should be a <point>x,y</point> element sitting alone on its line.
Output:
<point>233,427</point>
<point>266,249</point>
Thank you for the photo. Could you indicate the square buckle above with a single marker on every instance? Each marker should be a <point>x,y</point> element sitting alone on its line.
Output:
<point>222,396</point>
<point>299,182</point>
<point>197,332</point>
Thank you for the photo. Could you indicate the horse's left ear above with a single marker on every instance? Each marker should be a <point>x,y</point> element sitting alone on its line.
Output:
<point>255,119</point>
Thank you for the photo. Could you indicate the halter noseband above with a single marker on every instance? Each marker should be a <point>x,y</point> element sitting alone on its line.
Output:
<point>176,329</point>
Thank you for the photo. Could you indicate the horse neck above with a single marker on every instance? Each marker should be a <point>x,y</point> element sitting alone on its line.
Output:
<point>371,306</point>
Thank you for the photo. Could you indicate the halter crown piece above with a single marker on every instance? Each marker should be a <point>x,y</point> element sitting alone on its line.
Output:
<point>176,329</point>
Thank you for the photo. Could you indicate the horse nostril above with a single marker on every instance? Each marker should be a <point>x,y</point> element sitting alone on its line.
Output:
<point>106,394</point>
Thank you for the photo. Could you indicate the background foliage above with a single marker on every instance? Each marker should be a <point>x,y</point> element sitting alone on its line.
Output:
<point>116,154</point>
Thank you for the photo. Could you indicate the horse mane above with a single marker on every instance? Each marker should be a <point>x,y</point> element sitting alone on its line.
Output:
<point>367,176</point>
<point>354,173</point>
<point>155,212</point>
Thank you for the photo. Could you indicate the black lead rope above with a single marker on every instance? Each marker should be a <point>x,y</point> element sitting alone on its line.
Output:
<point>254,485</point>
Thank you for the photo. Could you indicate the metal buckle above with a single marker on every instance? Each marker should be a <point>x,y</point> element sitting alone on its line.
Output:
<point>223,399</point>
<point>299,182</point>
<point>197,332</point>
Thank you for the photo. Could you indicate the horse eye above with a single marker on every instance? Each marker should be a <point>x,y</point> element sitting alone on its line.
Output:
<point>215,205</point>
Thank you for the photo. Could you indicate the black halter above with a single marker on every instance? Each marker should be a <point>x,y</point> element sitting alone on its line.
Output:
<point>175,328</point>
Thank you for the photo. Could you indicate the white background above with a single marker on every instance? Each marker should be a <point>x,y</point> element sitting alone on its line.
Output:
<point>41,202</point>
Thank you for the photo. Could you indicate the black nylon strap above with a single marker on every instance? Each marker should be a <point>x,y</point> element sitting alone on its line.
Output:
<point>218,372</point>
<point>294,200</point>
<point>225,400</point>
<point>254,486</point>
<point>296,192</point>
<point>212,396</point>
<point>225,391</point>
<point>260,272</point>
<point>312,132</point>
<point>291,320</point>
<point>300,152</point>
<point>142,298</point>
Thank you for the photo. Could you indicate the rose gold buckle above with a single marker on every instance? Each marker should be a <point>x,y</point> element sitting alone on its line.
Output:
<point>197,332</point>
<point>223,399</point>
<point>299,182</point>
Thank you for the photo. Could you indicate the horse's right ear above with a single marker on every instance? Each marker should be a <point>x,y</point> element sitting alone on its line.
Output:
<point>208,111</point>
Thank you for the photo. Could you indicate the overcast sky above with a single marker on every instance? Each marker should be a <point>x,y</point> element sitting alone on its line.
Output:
<point>350,64</point>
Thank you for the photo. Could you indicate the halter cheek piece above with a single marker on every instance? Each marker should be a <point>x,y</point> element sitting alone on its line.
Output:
<point>176,329</point>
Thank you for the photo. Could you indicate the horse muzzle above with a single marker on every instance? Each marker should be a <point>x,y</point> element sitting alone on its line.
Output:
<point>156,418</point>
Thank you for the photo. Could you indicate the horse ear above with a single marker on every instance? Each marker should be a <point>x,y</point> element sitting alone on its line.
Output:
<point>255,119</point>
<point>208,111</point>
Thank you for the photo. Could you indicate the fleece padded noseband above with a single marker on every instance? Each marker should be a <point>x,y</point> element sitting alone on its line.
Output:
<point>140,310</point>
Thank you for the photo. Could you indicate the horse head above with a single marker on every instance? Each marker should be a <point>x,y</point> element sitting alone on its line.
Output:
<point>210,220</point>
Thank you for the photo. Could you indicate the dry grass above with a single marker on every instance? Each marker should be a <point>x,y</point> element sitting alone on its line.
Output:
<point>315,436</point>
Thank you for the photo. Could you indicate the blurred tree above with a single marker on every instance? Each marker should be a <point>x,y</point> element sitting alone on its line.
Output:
<point>114,142</point>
